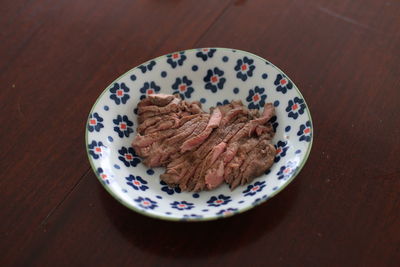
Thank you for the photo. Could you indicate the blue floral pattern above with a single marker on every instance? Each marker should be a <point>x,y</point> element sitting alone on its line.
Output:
<point>205,53</point>
<point>252,189</point>
<point>105,176</point>
<point>176,59</point>
<point>256,98</point>
<point>244,68</point>
<point>287,170</point>
<point>259,200</point>
<point>169,190</point>
<point>119,93</point>
<point>225,102</point>
<point>183,87</point>
<point>182,205</point>
<point>281,148</point>
<point>227,212</point>
<point>123,126</point>
<point>96,149</point>
<point>128,157</point>
<point>214,79</point>
<point>149,88</point>
<point>282,83</point>
<point>137,182</point>
<point>305,132</point>
<point>95,122</point>
<point>146,203</point>
<point>216,201</point>
<point>295,107</point>
<point>147,67</point>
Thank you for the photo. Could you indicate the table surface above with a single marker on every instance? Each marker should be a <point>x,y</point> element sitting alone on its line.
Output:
<point>58,56</point>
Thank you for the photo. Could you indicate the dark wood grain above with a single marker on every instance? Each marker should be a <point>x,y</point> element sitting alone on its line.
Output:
<point>342,210</point>
<point>51,83</point>
<point>130,238</point>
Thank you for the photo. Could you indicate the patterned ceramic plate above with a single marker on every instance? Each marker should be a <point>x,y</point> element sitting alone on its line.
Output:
<point>214,76</point>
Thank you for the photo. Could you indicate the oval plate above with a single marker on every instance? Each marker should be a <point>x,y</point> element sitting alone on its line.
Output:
<point>240,75</point>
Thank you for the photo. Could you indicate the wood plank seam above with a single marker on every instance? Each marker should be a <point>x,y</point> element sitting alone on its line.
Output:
<point>43,222</point>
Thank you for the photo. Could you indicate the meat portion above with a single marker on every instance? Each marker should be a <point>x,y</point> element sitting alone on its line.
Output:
<point>201,151</point>
<point>199,138</point>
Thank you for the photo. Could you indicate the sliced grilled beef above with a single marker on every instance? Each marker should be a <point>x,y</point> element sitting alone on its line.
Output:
<point>199,138</point>
<point>202,150</point>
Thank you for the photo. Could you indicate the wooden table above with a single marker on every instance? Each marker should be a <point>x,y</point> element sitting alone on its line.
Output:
<point>57,57</point>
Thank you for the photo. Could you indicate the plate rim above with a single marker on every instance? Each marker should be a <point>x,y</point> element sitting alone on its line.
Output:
<point>213,217</point>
